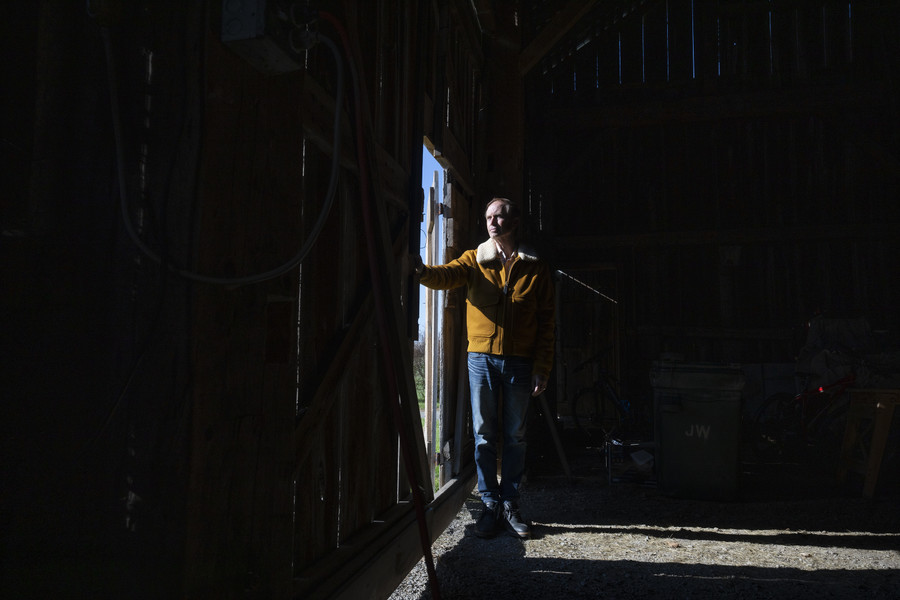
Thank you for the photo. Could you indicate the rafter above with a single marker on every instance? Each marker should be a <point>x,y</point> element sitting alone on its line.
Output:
<point>561,24</point>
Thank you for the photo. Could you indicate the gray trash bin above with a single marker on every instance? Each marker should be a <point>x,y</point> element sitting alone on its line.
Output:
<point>697,428</point>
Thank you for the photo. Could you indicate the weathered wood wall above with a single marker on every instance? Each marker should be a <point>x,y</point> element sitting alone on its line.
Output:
<point>736,161</point>
<point>308,435</point>
<point>96,374</point>
<point>180,426</point>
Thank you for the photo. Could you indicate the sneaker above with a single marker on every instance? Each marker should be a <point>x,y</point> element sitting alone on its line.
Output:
<point>515,525</point>
<point>489,521</point>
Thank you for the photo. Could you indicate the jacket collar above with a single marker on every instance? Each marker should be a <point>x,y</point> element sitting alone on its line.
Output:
<point>487,252</point>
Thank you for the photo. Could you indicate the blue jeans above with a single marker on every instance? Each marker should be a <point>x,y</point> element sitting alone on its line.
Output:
<point>491,376</point>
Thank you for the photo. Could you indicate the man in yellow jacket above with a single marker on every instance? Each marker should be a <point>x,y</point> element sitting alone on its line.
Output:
<point>510,323</point>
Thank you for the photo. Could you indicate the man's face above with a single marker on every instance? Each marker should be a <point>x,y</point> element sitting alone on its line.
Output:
<point>498,223</point>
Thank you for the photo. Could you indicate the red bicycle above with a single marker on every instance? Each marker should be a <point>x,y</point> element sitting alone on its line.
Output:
<point>810,424</point>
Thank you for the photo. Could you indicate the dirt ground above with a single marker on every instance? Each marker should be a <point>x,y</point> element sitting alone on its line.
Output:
<point>790,533</point>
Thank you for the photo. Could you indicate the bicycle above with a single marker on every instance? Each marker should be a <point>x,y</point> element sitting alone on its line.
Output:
<point>598,406</point>
<point>810,424</point>
<point>791,427</point>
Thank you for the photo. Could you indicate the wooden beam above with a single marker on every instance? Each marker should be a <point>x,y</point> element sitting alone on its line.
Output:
<point>394,179</point>
<point>465,26</point>
<point>732,237</point>
<point>484,11</point>
<point>317,119</point>
<point>331,377</point>
<point>318,123</point>
<point>455,160</point>
<point>721,333</point>
<point>561,24</point>
<point>823,100</point>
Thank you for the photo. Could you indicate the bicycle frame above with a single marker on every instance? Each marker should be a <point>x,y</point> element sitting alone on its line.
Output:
<point>815,404</point>
<point>811,417</point>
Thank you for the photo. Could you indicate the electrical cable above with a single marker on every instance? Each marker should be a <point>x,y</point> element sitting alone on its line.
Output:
<point>162,219</point>
<point>313,37</point>
<point>583,284</point>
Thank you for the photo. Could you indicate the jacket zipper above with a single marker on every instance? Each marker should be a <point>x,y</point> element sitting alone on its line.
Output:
<point>504,321</point>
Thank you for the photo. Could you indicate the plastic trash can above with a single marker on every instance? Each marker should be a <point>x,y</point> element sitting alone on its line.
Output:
<point>697,428</point>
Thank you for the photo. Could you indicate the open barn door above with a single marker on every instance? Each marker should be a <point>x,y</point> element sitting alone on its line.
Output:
<point>431,324</point>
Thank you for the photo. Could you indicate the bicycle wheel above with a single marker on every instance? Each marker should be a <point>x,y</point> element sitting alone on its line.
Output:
<point>595,414</point>
<point>774,426</point>
<point>825,429</point>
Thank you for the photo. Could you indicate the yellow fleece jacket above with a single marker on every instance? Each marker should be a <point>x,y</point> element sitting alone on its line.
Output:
<point>505,314</point>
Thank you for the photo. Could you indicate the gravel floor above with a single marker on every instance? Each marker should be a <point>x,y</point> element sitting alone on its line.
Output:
<point>791,534</point>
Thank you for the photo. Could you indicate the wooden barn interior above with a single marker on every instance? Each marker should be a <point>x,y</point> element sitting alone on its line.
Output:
<point>208,213</point>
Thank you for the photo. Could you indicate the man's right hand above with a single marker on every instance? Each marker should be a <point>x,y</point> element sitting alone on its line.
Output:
<point>417,264</point>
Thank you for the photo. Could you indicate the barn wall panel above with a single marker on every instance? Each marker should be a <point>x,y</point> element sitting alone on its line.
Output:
<point>744,204</point>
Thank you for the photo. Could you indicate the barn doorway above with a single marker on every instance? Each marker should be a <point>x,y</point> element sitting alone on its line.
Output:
<point>429,348</point>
